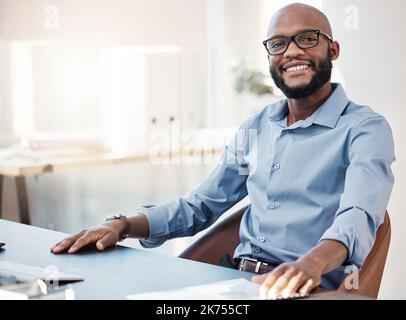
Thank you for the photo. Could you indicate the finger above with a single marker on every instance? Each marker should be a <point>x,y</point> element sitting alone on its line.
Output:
<point>61,245</point>
<point>309,285</point>
<point>294,284</point>
<point>108,240</point>
<point>55,245</point>
<point>66,243</point>
<point>258,279</point>
<point>86,239</point>
<point>281,282</point>
<point>270,280</point>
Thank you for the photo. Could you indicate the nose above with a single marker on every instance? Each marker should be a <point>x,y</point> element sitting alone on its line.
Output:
<point>293,50</point>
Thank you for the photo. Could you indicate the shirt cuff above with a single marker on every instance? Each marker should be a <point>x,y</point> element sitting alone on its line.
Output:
<point>158,228</point>
<point>352,229</point>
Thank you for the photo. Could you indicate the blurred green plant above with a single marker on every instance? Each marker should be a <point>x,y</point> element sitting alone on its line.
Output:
<point>252,81</point>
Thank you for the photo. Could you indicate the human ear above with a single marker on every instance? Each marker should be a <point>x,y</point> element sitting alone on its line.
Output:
<point>335,50</point>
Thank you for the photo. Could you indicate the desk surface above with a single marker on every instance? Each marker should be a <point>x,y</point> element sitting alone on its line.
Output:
<point>117,272</point>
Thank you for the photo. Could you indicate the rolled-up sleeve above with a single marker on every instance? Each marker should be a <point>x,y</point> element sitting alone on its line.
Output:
<point>368,184</point>
<point>197,210</point>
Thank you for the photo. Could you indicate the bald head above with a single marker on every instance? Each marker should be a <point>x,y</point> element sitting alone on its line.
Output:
<point>296,16</point>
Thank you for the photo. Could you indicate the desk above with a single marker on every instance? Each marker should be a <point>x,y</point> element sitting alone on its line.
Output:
<point>19,168</point>
<point>117,272</point>
<point>112,274</point>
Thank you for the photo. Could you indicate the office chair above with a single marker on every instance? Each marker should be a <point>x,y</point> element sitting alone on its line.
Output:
<point>224,238</point>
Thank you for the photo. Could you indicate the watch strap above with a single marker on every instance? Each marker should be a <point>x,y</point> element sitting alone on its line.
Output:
<point>126,232</point>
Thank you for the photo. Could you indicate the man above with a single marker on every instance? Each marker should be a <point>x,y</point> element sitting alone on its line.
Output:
<point>317,173</point>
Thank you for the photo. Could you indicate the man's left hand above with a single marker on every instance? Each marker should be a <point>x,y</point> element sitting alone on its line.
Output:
<point>289,278</point>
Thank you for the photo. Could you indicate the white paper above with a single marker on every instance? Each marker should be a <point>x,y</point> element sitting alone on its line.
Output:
<point>235,289</point>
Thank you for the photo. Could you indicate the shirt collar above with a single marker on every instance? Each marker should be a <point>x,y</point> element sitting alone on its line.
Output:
<point>326,115</point>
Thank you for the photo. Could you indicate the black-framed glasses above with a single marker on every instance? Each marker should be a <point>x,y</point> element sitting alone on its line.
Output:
<point>304,40</point>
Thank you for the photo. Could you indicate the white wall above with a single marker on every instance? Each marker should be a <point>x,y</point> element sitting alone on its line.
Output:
<point>107,21</point>
<point>68,49</point>
<point>5,124</point>
<point>373,67</point>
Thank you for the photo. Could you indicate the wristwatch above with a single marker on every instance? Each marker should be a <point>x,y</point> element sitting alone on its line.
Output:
<point>123,218</point>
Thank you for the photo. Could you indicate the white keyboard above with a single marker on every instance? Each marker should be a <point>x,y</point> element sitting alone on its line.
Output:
<point>23,272</point>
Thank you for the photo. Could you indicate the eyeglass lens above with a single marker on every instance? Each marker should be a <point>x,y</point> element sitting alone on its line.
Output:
<point>304,40</point>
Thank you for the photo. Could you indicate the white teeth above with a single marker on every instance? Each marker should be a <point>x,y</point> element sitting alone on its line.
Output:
<point>297,68</point>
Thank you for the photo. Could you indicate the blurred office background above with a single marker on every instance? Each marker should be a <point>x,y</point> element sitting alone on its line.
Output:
<point>106,74</point>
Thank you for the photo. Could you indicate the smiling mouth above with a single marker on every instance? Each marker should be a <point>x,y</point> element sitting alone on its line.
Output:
<point>297,68</point>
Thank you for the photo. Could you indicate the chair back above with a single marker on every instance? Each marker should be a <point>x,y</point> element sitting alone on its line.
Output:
<point>221,239</point>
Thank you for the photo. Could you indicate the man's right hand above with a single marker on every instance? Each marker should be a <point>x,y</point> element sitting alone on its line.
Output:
<point>104,236</point>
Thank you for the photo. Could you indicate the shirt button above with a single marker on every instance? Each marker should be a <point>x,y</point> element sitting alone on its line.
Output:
<point>277,166</point>
<point>272,205</point>
<point>256,249</point>
<point>262,239</point>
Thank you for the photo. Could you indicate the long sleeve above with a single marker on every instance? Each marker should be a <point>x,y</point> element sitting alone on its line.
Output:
<point>368,184</point>
<point>197,210</point>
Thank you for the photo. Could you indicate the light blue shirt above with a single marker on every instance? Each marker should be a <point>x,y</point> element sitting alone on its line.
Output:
<point>326,177</point>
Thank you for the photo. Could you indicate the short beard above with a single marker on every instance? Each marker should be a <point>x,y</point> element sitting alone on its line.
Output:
<point>321,77</point>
